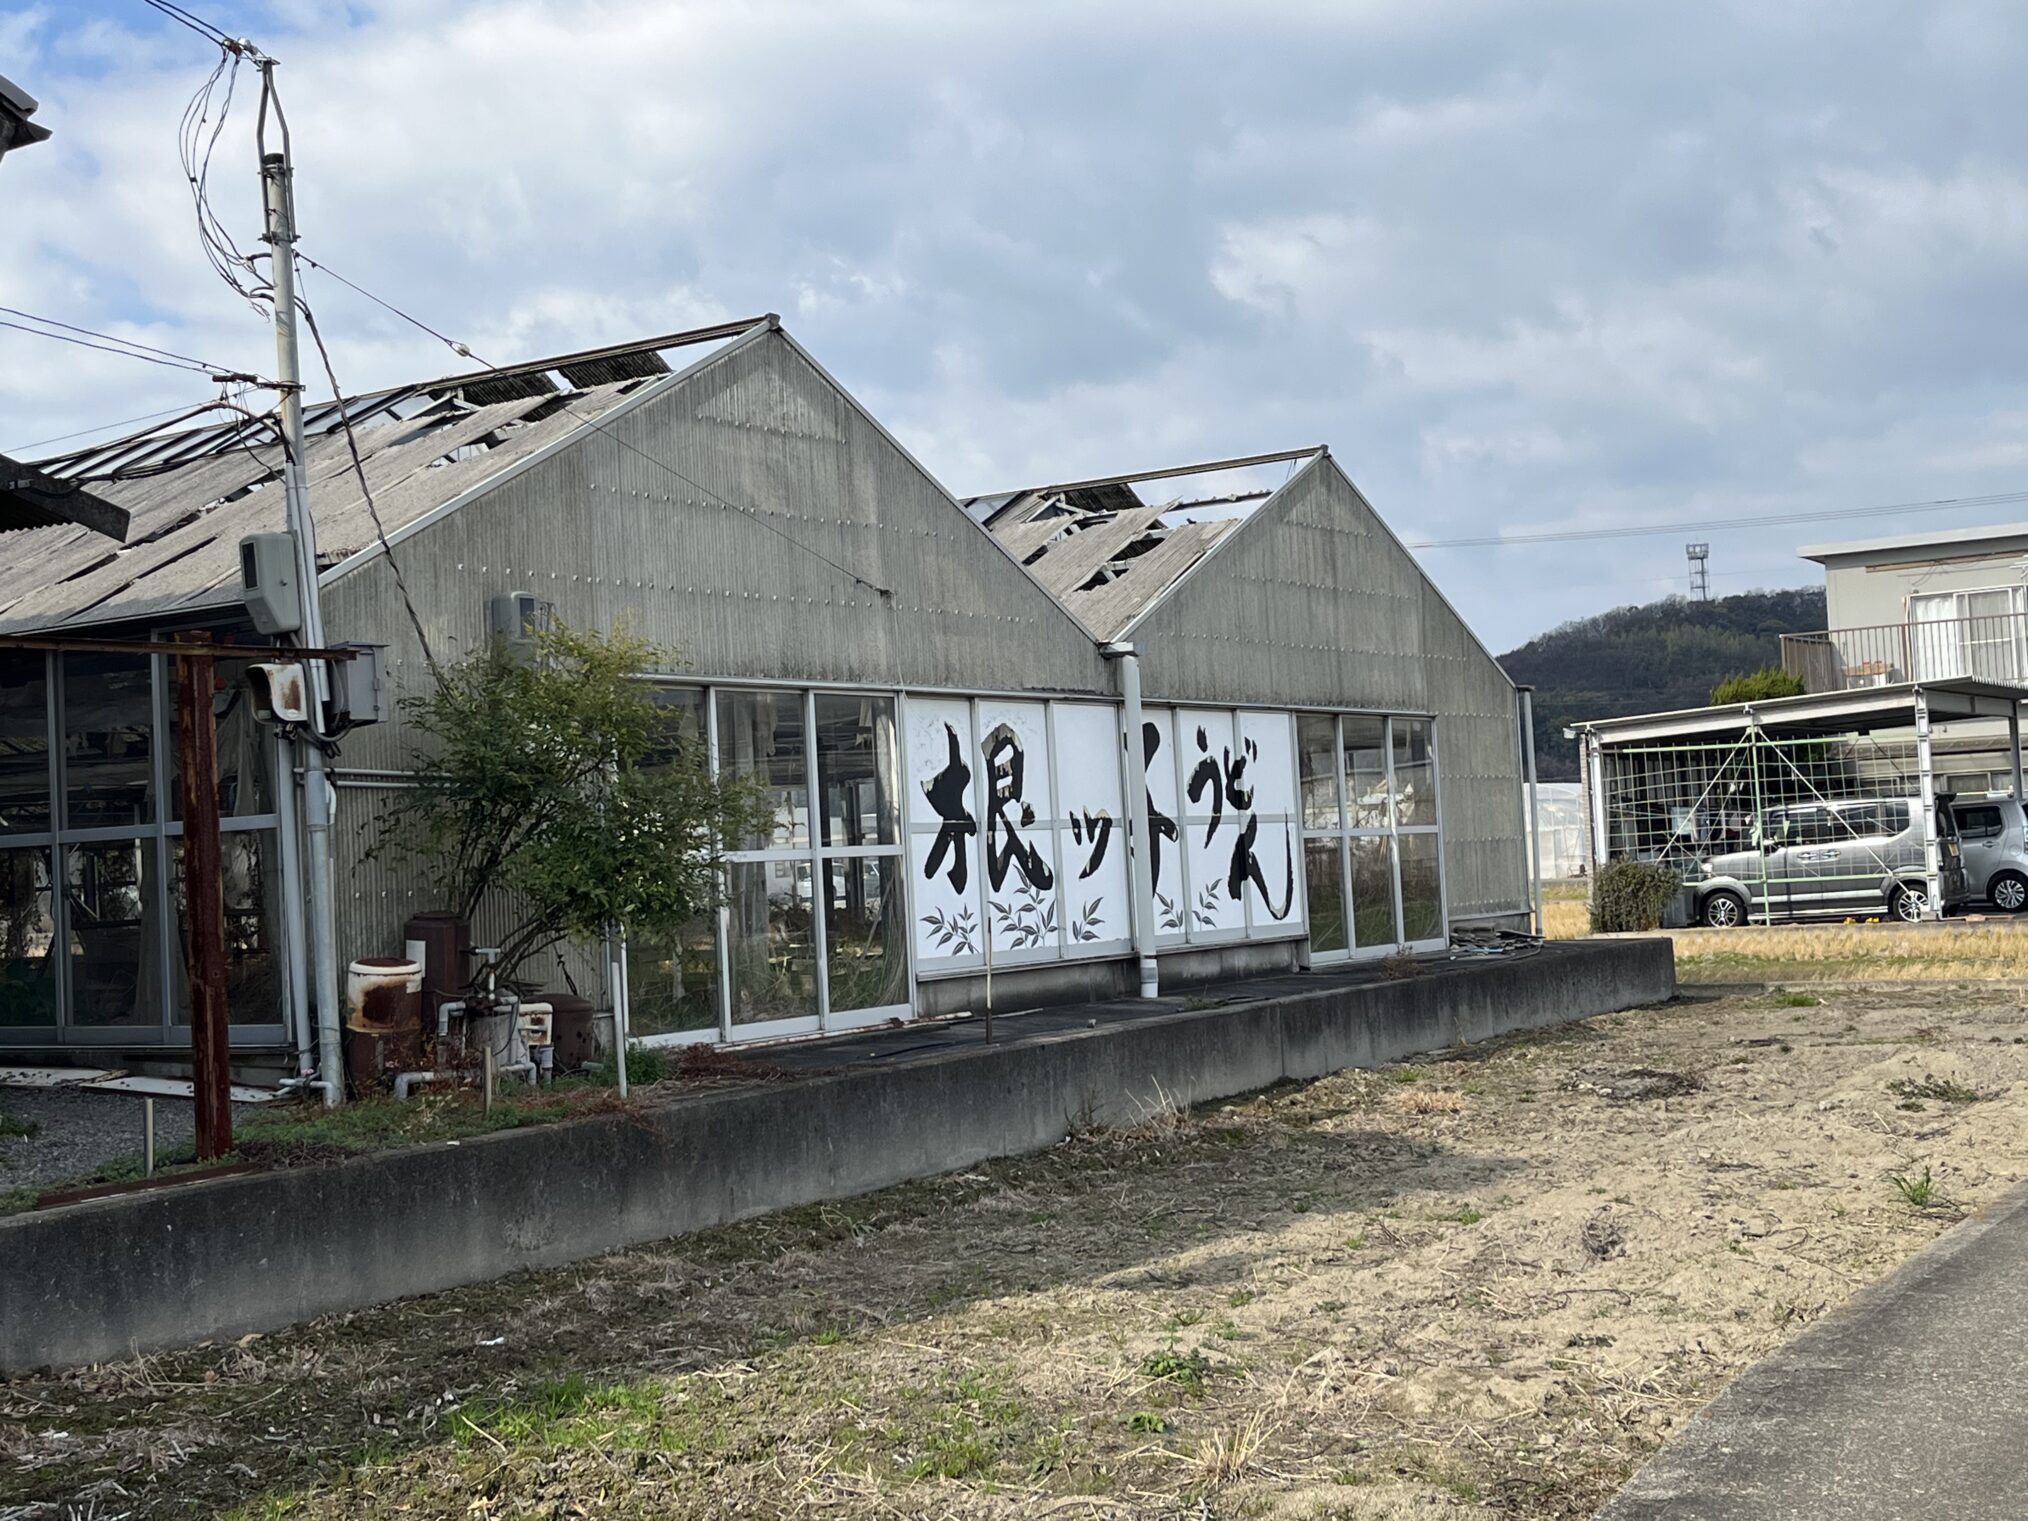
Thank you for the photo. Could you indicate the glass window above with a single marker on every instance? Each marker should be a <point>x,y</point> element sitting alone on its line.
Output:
<point>108,728</point>
<point>773,946</point>
<point>27,936</point>
<point>857,768</point>
<point>111,891</point>
<point>1324,884</point>
<point>761,734</point>
<point>1414,773</point>
<point>1373,891</point>
<point>865,939</point>
<point>1894,817</point>
<point>1366,771</point>
<point>246,771</point>
<point>1422,909</point>
<point>1858,821</point>
<point>253,990</point>
<point>24,744</point>
<point>1317,749</point>
<point>683,725</point>
<point>1979,823</point>
<point>672,980</point>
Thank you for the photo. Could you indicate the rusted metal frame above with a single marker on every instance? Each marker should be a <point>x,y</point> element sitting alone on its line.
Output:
<point>1169,471</point>
<point>272,652</point>
<point>203,896</point>
<point>583,356</point>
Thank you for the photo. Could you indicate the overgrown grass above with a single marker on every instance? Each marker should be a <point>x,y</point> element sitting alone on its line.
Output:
<point>1919,1190</point>
<point>1849,952</point>
<point>1186,1370</point>
<point>1941,1090</point>
<point>15,1125</point>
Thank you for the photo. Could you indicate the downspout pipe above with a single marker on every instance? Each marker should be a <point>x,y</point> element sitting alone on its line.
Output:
<point>1528,781</point>
<point>1128,658</point>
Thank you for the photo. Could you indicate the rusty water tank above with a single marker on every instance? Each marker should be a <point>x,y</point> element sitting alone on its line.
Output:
<point>570,1024</point>
<point>443,943</point>
<point>383,1020</point>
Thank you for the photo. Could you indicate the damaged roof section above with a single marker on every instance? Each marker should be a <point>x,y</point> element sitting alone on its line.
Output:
<point>193,493</point>
<point>1109,549</point>
<point>31,499</point>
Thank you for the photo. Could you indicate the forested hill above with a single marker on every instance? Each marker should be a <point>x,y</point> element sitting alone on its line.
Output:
<point>1668,654</point>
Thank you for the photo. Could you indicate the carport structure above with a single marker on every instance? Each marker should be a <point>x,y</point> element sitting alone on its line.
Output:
<point>1686,785</point>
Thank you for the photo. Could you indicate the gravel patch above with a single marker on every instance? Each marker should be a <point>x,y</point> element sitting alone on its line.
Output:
<point>77,1131</point>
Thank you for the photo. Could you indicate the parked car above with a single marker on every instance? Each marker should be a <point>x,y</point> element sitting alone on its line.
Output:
<point>1855,858</point>
<point>1994,834</point>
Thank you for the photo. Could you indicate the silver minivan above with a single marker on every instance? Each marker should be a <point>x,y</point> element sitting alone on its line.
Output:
<point>1994,834</point>
<point>1854,858</point>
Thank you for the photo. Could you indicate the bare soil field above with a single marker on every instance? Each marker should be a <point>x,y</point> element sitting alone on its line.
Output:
<point>1493,1280</point>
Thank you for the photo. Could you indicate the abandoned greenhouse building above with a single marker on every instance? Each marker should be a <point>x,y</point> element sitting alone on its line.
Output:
<point>934,691</point>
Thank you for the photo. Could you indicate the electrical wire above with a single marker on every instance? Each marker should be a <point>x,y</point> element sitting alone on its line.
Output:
<point>144,349</point>
<point>1630,531</point>
<point>196,24</point>
<point>464,351</point>
<point>125,422</point>
<point>108,348</point>
<point>365,490</point>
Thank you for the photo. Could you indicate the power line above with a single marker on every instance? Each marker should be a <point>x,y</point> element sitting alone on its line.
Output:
<point>598,427</point>
<point>144,348</point>
<point>365,490</point>
<point>125,422</point>
<point>1830,515</point>
<point>196,24</point>
<point>105,348</point>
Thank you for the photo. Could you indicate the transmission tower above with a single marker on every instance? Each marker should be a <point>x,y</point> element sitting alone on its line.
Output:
<point>1700,570</point>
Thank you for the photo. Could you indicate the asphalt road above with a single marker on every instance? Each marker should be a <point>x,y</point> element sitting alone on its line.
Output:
<point>1909,1403</point>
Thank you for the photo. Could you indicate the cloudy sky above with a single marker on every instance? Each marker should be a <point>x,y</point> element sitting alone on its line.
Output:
<point>1526,267</point>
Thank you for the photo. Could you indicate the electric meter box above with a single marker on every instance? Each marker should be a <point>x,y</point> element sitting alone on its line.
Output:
<point>268,583</point>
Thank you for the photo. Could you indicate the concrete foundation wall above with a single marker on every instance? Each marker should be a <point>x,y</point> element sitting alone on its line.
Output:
<point>114,1277</point>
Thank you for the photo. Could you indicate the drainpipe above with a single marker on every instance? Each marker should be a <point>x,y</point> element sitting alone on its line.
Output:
<point>1527,696</point>
<point>293,931</point>
<point>1138,834</point>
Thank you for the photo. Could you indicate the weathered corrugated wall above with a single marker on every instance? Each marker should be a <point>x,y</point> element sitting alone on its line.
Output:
<point>1314,603</point>
<point>632,523</point>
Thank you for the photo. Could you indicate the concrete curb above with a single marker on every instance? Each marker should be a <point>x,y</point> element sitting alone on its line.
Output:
<point>1755,1453</point>
<point>110,1278</point>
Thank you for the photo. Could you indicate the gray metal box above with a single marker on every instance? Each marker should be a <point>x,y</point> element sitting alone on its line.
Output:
<point>514,618</point>
<point>267,583</point>
<point>359,686</point>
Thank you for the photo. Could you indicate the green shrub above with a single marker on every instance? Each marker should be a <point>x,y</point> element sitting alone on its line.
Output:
<point>1756,686</point>
<point>1630,895</point>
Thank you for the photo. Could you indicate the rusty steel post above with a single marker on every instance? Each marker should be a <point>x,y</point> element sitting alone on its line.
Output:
<point>203,900</point>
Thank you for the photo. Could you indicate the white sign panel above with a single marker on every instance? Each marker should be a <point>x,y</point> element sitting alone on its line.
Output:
<point>943,833</point>
<point>1267,753</point>
<point>1091,840</point>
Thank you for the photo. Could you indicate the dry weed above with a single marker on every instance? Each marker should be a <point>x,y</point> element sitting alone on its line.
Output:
<point>1429,1101</point>
<point>1227,1453</point>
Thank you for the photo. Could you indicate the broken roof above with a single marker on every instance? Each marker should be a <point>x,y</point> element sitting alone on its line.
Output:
<point>31,499</point>
<point>1109,549</point>
<point>194,493</point>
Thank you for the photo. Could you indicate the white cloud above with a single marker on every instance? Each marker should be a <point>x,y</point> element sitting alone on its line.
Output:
<point>1519,265</point>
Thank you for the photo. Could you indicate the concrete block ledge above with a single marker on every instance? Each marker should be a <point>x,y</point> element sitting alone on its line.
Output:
<point>111,1278</point>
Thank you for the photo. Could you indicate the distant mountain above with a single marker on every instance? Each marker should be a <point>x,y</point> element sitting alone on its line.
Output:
<point>1668,654</point>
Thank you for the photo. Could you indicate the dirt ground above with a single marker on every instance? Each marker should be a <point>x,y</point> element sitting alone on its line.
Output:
<point>1495,1279</point>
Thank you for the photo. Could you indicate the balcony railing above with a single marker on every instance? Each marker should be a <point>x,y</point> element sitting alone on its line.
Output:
<point>1992,648</point>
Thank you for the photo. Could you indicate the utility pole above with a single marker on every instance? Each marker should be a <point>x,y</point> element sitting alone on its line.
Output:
<point>278,204</point>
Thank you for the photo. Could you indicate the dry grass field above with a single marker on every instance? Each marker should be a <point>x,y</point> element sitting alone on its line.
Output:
<point>1493,1280</point>
<point>1958,950</point>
